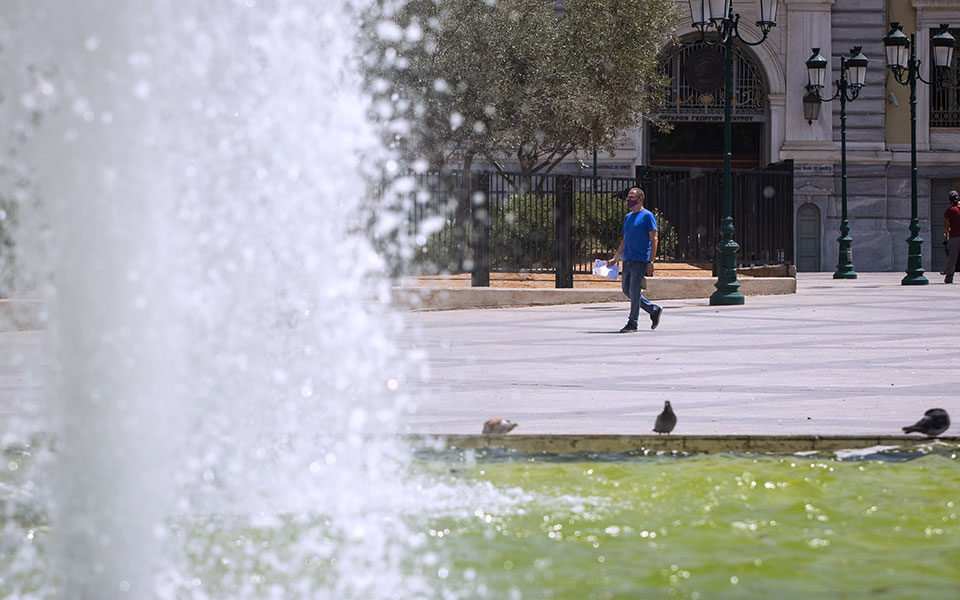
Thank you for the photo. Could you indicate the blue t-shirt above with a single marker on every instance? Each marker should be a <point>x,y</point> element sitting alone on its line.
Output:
<point>636,235</point>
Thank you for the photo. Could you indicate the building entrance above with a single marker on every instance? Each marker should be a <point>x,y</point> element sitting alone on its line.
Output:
<point>694,106</point>
<point>701,145</point>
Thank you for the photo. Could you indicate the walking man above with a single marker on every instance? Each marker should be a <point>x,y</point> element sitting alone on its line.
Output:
<point>638,248</point>
<point>951,231</point>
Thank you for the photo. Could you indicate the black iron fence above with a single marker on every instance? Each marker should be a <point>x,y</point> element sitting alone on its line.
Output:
<point>691,200</point>
<point>561,223</point>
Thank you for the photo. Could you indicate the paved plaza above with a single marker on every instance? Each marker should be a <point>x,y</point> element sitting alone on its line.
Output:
<point>854,357</point>
<point>860,358</point>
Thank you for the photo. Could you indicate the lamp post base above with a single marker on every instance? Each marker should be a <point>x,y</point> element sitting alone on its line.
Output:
<point>728,288</point>
<point>726,298</point>
<point>914,279</point>
<point>844,253</point>
<point>914,260</point>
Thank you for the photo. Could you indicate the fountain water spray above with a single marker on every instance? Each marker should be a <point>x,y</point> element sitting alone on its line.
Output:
<point>220,333</point>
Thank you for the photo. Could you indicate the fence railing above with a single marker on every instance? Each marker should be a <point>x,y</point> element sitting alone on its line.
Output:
<point>691,201</point>
<point>561,223</point>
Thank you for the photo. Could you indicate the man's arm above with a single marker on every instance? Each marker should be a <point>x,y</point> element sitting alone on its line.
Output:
<point>654,239</point>
<point>616,255</point>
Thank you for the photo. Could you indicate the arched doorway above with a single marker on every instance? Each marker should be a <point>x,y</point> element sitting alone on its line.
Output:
<point>694,106</point>
<point>808,238</point>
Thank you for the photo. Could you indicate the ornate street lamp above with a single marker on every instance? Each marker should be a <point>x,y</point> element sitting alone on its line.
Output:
<point>903,63</point>
<point>853,73</point>
<point>718,15</point>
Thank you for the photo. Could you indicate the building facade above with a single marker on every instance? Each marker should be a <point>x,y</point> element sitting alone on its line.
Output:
<point>769,125</point>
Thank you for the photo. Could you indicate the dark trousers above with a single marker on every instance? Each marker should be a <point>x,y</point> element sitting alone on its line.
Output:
<point>953,256</point>
<point>633,273</point>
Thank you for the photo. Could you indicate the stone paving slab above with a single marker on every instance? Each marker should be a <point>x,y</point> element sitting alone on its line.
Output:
<point>840,357</point>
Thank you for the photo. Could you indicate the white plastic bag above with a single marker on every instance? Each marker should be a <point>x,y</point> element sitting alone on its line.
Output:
<point>600,268</point>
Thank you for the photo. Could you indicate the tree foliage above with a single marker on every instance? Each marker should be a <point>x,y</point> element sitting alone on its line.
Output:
<point>528,81</point>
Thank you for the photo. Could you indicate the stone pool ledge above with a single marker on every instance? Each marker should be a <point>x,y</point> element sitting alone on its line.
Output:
<point>663,288</point>
<point>700,444</point>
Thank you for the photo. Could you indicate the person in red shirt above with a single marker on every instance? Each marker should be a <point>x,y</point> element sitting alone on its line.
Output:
<point>951,231</point>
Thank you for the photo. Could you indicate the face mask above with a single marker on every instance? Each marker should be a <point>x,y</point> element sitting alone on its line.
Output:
<point>631,203</point>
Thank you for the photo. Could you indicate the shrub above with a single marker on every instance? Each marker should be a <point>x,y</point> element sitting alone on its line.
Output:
<point>523,233</point>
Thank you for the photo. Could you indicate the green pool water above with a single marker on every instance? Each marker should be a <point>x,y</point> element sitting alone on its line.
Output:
<point>713,527</point>
<point>580,527</point>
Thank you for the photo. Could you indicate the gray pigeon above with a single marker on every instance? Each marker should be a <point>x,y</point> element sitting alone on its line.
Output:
<point>934,422</point>
<point>498,426</point>
<point>666,420</point>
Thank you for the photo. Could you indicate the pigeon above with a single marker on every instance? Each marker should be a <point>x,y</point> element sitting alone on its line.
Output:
<point>934,422</point>
<point>666,420</point>
<point>498,426</point>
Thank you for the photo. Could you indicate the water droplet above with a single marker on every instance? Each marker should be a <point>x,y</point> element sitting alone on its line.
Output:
<point>142,89</point>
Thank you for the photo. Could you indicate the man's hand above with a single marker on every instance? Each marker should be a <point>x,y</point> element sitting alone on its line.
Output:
<point>649,271</point>
<point>612,261</point>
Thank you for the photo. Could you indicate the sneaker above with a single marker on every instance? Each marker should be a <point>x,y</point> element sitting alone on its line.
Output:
<point>630,326</point>
<point>655,318</point>
<point>948,279</point>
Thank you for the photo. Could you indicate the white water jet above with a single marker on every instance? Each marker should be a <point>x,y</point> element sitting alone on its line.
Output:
<point>190,183</point>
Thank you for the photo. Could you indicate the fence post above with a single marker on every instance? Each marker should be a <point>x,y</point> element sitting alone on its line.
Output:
<point>480,230</point>
<point>564,212</point>
<point>461,215</point>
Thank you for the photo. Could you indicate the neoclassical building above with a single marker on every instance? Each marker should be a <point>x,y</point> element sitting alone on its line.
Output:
<point>769,125</point>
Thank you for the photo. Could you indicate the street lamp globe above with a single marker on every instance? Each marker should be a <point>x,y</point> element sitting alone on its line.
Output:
<point>767,13</point>
<point>857,68</point>
<point>943,44</point>
<point>811,105</point>
<point>704,13</point>
<point>816,69</point>
<point>719,9</point>
<point>700,13</point>
<point>897,46</point>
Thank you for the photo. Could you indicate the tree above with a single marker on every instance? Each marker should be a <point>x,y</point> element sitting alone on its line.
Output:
<point>525,80</point>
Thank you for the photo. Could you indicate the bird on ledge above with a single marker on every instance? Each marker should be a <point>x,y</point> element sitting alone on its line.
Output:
<point>934,422</point>
<point>666,420</point>
<point>498,426</point>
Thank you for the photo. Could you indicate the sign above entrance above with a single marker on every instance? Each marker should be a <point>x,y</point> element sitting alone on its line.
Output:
<point>712,118</point>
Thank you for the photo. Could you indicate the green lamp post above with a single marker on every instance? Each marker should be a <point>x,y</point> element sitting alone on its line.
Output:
<point>902,62</point>
<point>718,15</point>
<point>853,74</point>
